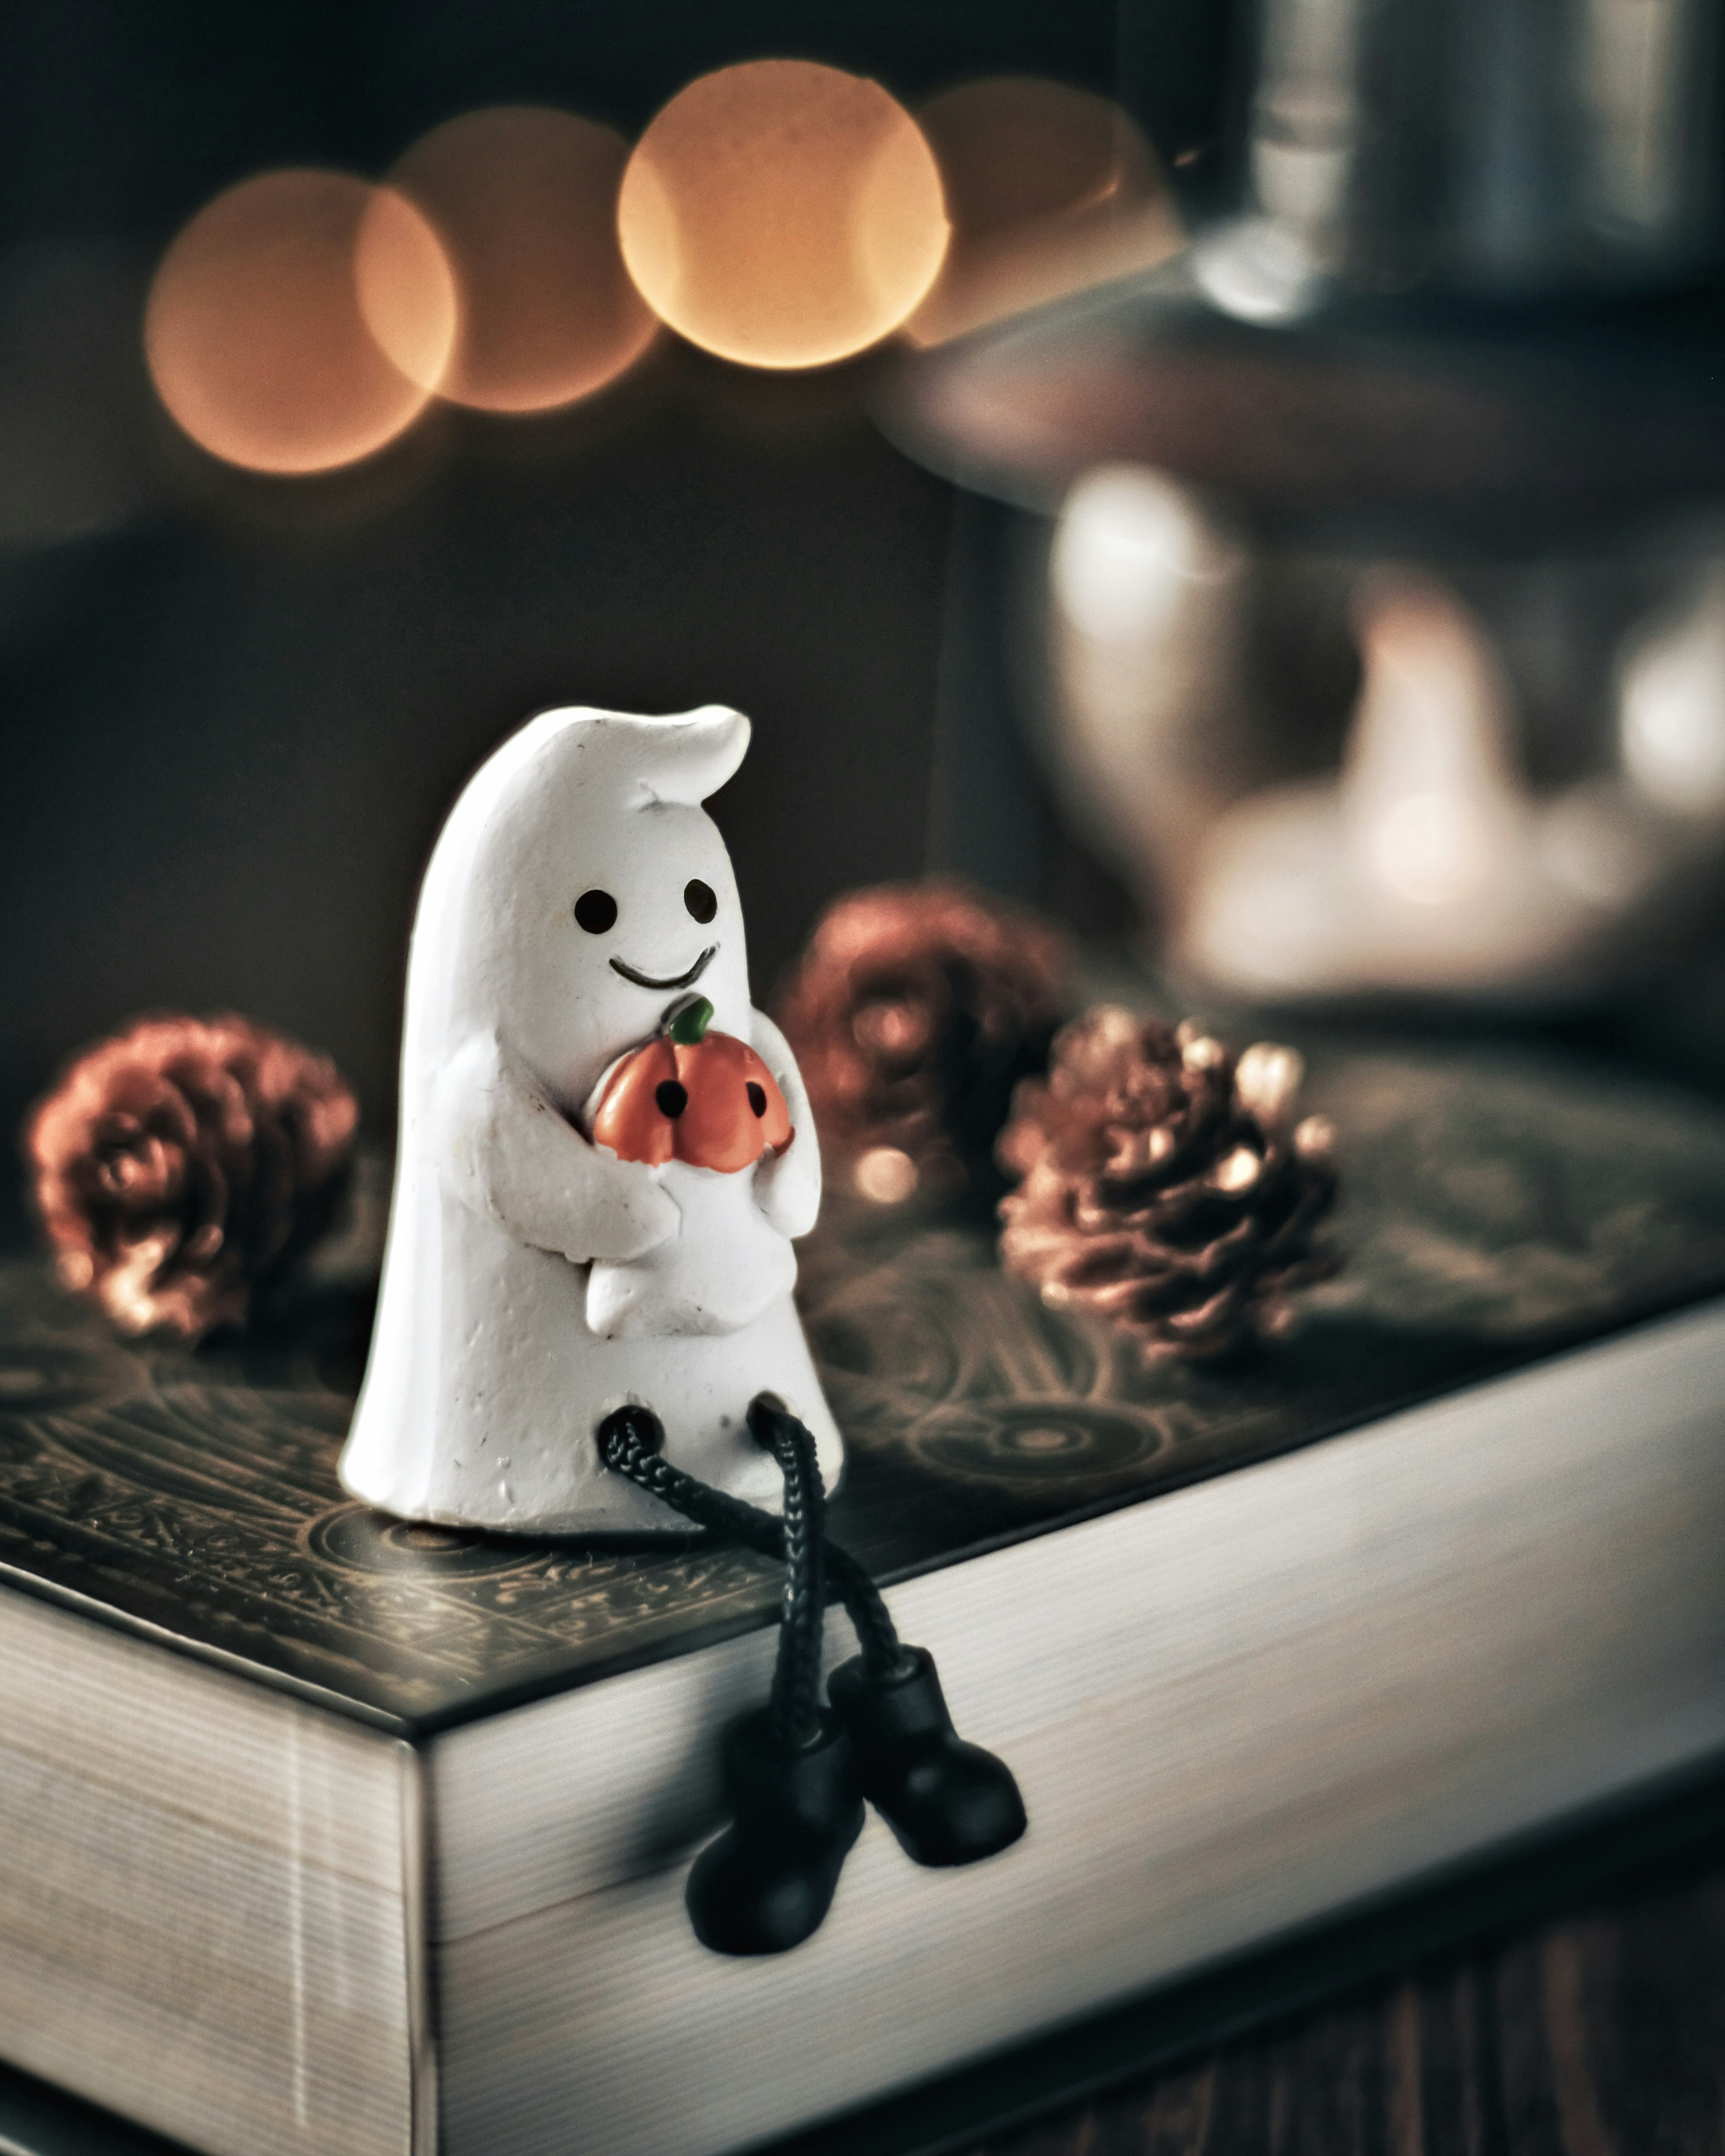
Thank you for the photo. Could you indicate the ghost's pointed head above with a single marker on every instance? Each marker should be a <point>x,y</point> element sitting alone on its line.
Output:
<point>579,889</point>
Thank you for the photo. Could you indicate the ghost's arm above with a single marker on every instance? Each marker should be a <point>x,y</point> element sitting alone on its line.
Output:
<point>504,1149</point>
<point>788,1185</point>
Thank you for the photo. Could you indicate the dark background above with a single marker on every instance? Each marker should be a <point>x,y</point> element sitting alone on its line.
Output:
<point>233,709</point>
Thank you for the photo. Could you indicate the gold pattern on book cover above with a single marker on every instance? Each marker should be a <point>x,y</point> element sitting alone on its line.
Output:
<point>1492,1211</point>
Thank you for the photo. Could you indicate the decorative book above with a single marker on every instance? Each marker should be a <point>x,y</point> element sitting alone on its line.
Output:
<point>322,1832</point>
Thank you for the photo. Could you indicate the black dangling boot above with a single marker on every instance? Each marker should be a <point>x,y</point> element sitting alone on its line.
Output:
<point>766,1884</point>
<point>949,1802</point>
<point>946,1801</point>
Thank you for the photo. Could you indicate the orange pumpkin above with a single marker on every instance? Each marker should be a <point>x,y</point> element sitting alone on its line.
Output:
<point>693,1095</point>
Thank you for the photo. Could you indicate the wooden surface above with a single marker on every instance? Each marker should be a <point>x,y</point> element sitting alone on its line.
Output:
<point>1597,2032</point>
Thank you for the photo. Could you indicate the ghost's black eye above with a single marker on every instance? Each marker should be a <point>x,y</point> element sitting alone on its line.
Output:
<point>597,911</point>
<point>698,897</point>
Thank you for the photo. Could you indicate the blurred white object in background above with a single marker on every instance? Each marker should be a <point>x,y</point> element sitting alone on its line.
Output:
<point>1258,270</point>
<point>1417,856</point>
<point>1641,79</point>
<point>1672,707</point>
<point>1147,628</point>
<point>1428,800</point>
<point>1421,866</point>
<point>1131,547</point>
<point>1500,777</point>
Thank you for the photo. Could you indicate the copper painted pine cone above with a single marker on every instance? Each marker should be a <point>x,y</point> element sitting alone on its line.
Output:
<point>915,1011</point>
<point>1166,1184</point>
<point>181,1168</point>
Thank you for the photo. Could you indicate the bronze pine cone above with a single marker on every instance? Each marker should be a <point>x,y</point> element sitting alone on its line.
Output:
<point>182,1167</point>
<point>916,1009</point>
<point>1166,1184</point>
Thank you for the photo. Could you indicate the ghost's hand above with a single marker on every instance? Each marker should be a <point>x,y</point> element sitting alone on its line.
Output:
<point>787,1185</point>
<point>631,1214</point>
<point>781,1190</point>
<point>504,1148</point>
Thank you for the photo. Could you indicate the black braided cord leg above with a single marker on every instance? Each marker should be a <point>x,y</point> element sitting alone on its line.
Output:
<point>628,1443</point>
<point>766,1884</point>
<point>947,1802</point>
<point>796,1675</point>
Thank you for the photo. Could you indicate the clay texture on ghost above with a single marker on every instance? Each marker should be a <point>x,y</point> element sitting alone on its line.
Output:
<point>533,1281</point>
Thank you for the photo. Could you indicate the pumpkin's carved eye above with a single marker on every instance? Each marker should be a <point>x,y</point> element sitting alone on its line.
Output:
<point>758,1097</point>
<point>672,1099</point>
<point>699,898</point>
<point>596,910</point>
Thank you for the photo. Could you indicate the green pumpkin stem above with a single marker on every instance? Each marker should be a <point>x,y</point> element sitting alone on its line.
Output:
<point>688,1029</point>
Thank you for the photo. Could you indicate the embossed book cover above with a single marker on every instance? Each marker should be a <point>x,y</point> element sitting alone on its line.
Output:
<point>1431,1570</point>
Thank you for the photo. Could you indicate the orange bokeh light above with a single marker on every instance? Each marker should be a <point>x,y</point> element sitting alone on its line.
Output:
<point>1049,189</point>
<point>254,332</point>
<point>524,200</point>
<point>782,214</point>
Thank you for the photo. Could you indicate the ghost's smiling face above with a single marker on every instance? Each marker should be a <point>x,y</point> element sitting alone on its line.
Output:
<point>658,913</point>
<point>598,906</point>
<point>596,910</point>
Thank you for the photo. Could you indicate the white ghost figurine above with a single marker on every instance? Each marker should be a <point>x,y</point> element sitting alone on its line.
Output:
<point>534,1280</point>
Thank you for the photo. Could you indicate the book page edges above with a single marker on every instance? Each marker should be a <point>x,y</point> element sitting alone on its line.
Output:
<point>1230,1711</point>
<point>201,1890</point>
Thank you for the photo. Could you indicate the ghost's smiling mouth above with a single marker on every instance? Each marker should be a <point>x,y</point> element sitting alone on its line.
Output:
<point>677,981</point>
